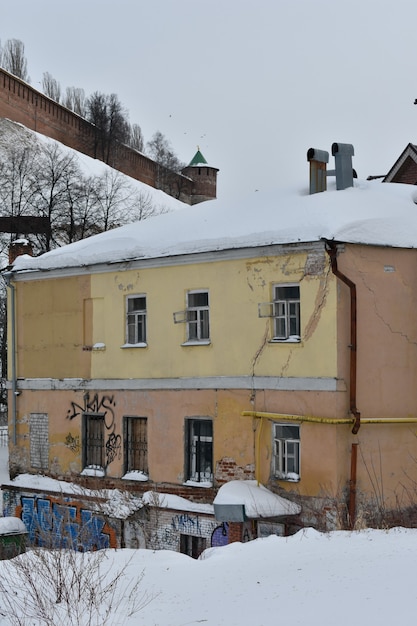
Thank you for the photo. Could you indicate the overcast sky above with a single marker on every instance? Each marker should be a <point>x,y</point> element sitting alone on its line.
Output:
<point>254,83</point>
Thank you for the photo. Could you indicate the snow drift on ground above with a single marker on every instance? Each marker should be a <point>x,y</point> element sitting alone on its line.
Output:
<point>342,578</point>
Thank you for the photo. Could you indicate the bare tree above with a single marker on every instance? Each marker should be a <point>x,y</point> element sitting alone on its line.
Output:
<point>51,87</point>
<point>14,60</point>
<point>169,165</point>
<point>58,174</point>
<point>136,138</point>
<point>111,122</point>
<point>75,100</point>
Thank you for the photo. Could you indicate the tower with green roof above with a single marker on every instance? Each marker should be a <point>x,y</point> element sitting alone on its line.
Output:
<point>203,177</point>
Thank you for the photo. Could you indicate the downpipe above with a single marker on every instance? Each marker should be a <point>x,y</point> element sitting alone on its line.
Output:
<point>12,352</point>
<point>331,249</point>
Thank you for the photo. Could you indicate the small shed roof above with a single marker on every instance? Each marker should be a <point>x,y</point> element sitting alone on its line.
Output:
<point>257,499</point>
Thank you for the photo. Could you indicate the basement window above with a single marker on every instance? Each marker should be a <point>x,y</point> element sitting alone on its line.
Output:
<point>286,452</point>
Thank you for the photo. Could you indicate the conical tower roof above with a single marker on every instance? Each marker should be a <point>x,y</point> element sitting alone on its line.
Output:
<point>197,159</point>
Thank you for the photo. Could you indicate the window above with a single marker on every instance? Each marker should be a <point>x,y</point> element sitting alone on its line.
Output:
<point>136,320</point>
<point>191,545</point>
<point>287,451</point>
<point>93,441</point>
<point>284,311</point>
<point>196,316</point>
<point>136,444</point>
<point>199,450</point>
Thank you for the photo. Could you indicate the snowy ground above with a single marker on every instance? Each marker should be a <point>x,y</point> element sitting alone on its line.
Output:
<point>4,470</point>
<point>309,579</point>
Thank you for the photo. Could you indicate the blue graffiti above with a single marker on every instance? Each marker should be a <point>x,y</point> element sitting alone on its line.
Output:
<point>186,523</point>
<point>56,526</point>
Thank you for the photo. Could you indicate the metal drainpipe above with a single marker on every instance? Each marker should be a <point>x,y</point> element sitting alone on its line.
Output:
<point>8,278</point>
<point>331,249</point>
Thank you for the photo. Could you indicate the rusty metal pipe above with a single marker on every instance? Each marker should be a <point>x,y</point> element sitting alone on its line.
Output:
<point>352,485</point>
<point>331,248</point>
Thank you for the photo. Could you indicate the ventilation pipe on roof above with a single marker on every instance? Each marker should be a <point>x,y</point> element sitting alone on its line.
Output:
<point>343,153</point>
<point>343,171</point>
<point>318,160</point>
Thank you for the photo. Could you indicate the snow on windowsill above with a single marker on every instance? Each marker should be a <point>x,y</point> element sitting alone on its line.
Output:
<point>290,339</point>
<point>203,342</point>
<point>194,483</point>
<point>291,477</point>
<point>93,470</point>
<point>135,345</point>
<point>136,475</point>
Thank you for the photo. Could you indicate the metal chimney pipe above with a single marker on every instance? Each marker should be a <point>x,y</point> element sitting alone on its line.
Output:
<point>343,153</point>
<point>318,177</point>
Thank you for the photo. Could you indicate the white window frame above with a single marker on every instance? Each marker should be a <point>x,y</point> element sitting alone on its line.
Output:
<point>139,323</point>
<point>196,318</point>
<point>285,314</point>
<point>286,451</point>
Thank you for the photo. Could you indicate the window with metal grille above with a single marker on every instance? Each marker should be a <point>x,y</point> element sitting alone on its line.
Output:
<point>136,319</point>
<point>287,451</point>
<point>93,441</point>
<point>199,450</point>
<point>136,444</point>
<point>192,546</point>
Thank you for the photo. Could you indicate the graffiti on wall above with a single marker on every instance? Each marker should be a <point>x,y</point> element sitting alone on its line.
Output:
<point>220,536</point>
<point>186,524</point>
<point>104,405</point>
<point>96,404</point>
<point>53,523</point>
<point>73,443</point>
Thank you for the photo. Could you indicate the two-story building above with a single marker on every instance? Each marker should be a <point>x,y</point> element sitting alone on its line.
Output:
<point>271,342</point>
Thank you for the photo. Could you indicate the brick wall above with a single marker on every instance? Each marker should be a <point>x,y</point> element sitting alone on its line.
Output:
<point>227,469</point>
<point>407,173</point>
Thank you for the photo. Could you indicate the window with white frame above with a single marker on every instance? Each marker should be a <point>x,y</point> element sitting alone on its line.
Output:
<point>199,450</point>
<point>198,327</point>
<point>136,319</point>
<point>196,317</point>
<point>287,451</point>
<point>286,312</point>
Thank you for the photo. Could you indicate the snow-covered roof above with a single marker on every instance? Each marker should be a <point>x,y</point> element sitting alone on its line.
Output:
<point>371,212</point>
<point>257,499</point>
